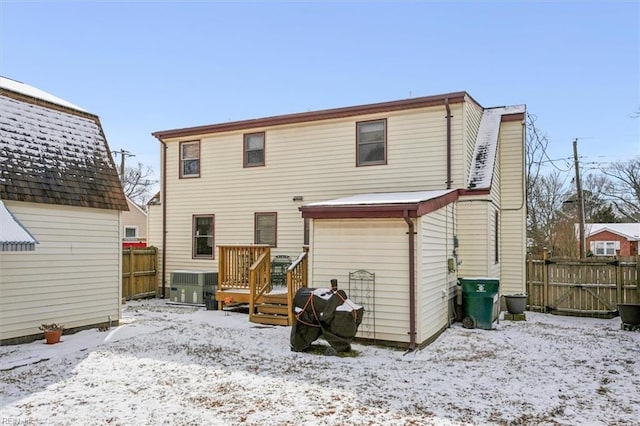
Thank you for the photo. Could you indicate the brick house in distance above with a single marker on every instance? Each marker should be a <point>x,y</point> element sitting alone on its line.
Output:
<point>604,239</point>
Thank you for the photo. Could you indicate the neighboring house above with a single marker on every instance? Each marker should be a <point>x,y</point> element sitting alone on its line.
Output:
<point>605,239</point>
<point>418,192</point>
<point>134,226</point>
<point>60,204</point>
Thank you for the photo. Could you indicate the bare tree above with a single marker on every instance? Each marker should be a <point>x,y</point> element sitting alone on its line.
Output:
<point>624,192</point>
<point>546,193</point>
<point>137,183</point>
<point>546,200</point>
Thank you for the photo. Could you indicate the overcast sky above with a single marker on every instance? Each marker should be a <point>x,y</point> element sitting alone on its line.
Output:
<point>149,66</point>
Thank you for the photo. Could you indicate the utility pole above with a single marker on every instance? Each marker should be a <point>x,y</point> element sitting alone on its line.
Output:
<point>580,197</point>
<point>123,155</point>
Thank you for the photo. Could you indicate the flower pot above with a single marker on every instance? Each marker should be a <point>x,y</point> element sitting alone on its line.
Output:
<point>516,303</point>
<point>52,336</point>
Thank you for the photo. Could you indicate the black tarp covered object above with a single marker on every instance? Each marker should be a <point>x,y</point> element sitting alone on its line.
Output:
<point>327,313</point>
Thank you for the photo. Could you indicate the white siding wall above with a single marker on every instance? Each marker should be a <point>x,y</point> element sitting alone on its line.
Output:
<point>379,246</point>
<point>73,276</point>
<point>135,217</point>
<point>513,205</point>
<point>435,280</point>
<point>315,160</point>
<point>472,219</point>
<point>154,237</point>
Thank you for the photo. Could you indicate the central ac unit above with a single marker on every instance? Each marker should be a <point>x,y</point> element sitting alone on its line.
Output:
<point>192,287</point>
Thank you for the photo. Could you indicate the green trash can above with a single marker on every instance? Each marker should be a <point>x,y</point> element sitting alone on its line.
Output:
<point>480,302</point>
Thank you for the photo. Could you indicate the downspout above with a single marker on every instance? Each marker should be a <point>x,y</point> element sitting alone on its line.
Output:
<point>446,104</point>
<point>412,282</point>
<point>164,217</point>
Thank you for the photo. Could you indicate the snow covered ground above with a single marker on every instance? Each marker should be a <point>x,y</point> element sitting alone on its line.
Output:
<point>178,365</point>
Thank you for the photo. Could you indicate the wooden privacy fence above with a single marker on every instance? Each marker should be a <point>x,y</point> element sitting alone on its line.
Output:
<point>591,286</point>
<point>139,272</point>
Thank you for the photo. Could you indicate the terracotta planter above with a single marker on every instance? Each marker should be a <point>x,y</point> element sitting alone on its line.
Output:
<point>516,303</point>
<point>52,336</point>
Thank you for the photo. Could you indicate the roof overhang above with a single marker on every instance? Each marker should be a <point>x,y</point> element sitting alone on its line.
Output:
<point>14,236</point>
<point>381,205</point>
<point>404,104</point>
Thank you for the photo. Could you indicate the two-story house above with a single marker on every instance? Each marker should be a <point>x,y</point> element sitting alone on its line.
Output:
<point>418,192</point>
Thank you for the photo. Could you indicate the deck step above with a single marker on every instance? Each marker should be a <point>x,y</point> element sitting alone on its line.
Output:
<point>276,299</point>
<point>269,319</point>
<point>270,308</point>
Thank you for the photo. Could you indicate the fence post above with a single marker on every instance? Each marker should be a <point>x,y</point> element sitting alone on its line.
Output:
<point>619,286</point>
<point>132,271</point>
<point>638,277</point>
<point>545,279</point>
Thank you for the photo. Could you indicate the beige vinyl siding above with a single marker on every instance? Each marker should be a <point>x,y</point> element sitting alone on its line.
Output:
<point>513,205</point>
<point>435,281</point>
<point>472,219</point>
<point>154,236</point>
<point>135,217</point>
<point>72,277</point>
<point>379,246</point>
<point>472,118</point>
<point>314,160</point>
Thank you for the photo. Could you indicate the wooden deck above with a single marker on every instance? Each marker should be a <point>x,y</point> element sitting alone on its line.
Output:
<point>244,277</point>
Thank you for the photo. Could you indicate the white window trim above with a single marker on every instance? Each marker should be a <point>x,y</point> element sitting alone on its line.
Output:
<point>124,233</point>
<point>605,248</point>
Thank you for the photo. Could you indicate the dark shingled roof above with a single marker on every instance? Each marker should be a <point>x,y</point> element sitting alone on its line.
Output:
<point>55,155</point>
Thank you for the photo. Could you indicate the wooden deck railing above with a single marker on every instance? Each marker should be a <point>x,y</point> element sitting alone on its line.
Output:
<point>234,264</point>
<point>297,276</point>
<point>259,280</point>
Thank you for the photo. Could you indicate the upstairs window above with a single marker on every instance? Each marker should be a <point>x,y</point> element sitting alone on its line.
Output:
<point>265,228</point>
<point>190,159</point>
<point>254,149</point>
<point>203,236</point>
<point>371,144</point>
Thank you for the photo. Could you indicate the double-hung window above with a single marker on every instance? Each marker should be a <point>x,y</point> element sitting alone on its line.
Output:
<point>254,149</point>
<point>606,248</point>
<point>203,227</point>
<point>265,228</point>
<point>371,142</point>
<point>190,159</point>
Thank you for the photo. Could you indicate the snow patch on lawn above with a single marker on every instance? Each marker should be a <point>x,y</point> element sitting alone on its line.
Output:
<point>168,364</point>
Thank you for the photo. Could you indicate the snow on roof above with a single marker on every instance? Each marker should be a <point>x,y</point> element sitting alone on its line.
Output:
<point>13,236</point>
<point>384,198</point>
<point>631,231</point>
<point>484,154</point>
<point>25,89</point>
<point>55,156</point>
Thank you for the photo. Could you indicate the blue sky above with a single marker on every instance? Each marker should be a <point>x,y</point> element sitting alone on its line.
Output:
<point>148,66</point>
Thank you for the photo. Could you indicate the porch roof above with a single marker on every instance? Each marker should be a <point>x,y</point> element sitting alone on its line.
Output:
<point>380,205</point>
<point>14,236</point>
